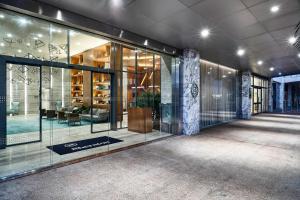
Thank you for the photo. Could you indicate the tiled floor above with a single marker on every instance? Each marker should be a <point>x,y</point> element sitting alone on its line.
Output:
<point>22,158</point>
<point>255,159</point>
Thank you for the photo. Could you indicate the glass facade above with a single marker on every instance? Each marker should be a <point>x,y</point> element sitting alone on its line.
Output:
<point>218,93</point>
<point>107,95</point>
<point>259,94</point>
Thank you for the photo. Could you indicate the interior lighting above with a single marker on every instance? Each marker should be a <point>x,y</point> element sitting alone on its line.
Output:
<point>271,69</point>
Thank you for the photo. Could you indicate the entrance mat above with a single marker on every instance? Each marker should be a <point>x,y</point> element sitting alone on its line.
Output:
<point>81,145</point>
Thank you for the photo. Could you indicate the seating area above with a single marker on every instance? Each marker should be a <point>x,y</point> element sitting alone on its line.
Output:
<point>74,115</point>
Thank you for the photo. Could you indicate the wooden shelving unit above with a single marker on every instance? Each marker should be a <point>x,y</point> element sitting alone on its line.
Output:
<point>81,88</point>
<point>77,87</point>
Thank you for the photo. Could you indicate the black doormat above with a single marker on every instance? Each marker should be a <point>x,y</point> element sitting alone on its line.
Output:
<point>81,145</point>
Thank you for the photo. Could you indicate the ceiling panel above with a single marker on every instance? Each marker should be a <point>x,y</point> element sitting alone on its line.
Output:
<point>233,23</point>
<point>215,10</point>
<point>262,11</point>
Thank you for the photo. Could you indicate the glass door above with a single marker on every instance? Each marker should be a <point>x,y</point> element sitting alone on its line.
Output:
<point>23,104</point>
<point>100,104</point>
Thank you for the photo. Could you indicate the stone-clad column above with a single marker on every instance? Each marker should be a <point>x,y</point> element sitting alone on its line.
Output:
<point>246,96</point>
<point>270,93</point>
<point>190,92</point>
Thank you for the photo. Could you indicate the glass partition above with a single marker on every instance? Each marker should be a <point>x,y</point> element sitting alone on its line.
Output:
<point>218,93</point>
<point>260,96</point>
<point>57,114</point>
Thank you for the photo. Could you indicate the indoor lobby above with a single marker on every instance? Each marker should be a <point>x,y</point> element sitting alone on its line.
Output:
<point>162,99</point>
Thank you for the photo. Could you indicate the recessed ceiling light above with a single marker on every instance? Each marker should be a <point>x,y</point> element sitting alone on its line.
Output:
<point>19,51</point>
<point>279,73</point>
<point>205,33</point>
<point>274,9</point>
<point>40,51</point>
<point>260,62</point>
<point>240,52</point>
<point>229,72</point>
<point>9,35</point>
<point>292,40</point>
<point>2,16</point>
<point>2,44</point>
<point>35,38</point>
<point>298,55</point>
<point>40,35</point>
<point>271,69</point>
<point>28,44</point>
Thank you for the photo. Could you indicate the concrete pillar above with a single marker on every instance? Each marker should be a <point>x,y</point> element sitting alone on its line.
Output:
<point>289,97</point>
<point>279,97</point>
<point>246,96</point>
<point>190,92</point>
<point>270,94</point>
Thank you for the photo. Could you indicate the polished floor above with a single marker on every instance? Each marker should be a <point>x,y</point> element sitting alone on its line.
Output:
<point>255,159</point>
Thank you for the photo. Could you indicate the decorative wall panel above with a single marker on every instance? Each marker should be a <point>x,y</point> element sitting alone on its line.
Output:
<point>246,95</point>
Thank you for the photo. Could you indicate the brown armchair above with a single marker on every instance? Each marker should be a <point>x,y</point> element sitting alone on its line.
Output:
<point>73,118</point>
<point>61,117</point>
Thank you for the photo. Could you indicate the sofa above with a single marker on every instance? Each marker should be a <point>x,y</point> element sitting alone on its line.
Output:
<point>96,115</point>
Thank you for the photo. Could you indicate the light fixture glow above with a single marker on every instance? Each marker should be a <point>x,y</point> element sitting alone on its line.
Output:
<point>9,35</point>
<point>59,15</point>
<point>271,69</point>
<point>19,51</point>
<point>2,44</point>
<point>146,43</point>
<point>40,35</point>
<point>35,38</point>
<point>279,73</point>
<point>40,51</point>
<point>298,55</point>
<point>241,52</point>
<point>260,62</point>
<point>23,21</point>
<point>28,44</point>
<point>205,33</point>
<point>292,40</point>
<point>2,16</point>
<point>274,9</point>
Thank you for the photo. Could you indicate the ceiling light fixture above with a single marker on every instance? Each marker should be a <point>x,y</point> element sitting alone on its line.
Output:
<point>28,44</point>
<point>40,51</point>
<point>35,38</point>
<point>2,44</point>
<point>279,73</point>
<point>146,43</point>
<point>292,40</point>
<point>274,9</point>
<point>2,16</point>
<point>260,62</point>
<point>298,55</point>
<point>40,35</point>
<point>271,69</point>
<point>205,33</point>
<point>240,52</point>
<point>9,35</point>
<point>19,51</point>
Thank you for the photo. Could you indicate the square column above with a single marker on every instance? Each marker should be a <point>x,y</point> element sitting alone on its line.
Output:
<point>190,92</point>
<point>246,96</point>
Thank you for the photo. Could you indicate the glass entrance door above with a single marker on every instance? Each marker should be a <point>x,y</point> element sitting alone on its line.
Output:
<point>23,104</point>
<point>100,104</point>
<point>257,100</point>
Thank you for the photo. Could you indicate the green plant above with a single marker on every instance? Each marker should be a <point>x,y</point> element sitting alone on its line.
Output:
<point>148,99</point>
